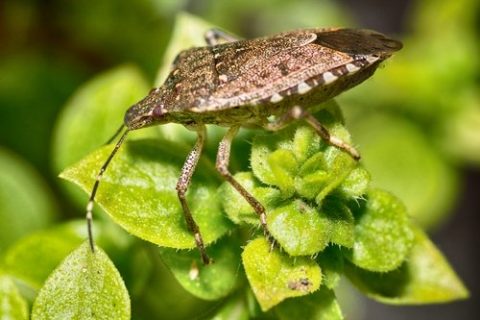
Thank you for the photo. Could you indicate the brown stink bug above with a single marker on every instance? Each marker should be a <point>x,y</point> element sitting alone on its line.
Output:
<point>266,82</point>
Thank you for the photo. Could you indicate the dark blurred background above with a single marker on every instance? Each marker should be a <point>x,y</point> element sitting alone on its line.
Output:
<point>423,107</point>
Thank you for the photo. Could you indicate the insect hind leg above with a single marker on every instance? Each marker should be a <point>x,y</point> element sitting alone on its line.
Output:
<point>223,159</point>
<point>217,36</point>
<point>297,113</point>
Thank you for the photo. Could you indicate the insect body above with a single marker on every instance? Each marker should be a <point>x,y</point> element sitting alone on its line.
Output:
<point>246,83</point>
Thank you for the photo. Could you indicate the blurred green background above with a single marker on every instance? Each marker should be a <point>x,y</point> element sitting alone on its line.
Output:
<point>416,122</point>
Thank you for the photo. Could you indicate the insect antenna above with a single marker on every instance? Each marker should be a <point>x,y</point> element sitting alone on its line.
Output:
<point>89,215</point>
<point>116,134</point>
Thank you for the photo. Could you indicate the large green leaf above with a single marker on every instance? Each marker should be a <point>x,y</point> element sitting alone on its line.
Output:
<point>425,277</point>
<point>138,192</point>
<point>85,286</point>
<point>383,235</point>
<point>274,276</point>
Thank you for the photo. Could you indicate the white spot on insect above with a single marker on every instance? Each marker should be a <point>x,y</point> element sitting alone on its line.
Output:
<point>303,88</point>
<point>217,55</point>
<point>296,112</point>
<point>328,77</point>
<point>351,68</point>
<point>276,98</point>
<point>371,59</point>
<point>223,78</point>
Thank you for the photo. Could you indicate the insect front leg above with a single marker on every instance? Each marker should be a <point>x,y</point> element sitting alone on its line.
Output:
<point>182,186</point>
<point>217,36</point>
<point>223,159</point>
<point>298,112</point>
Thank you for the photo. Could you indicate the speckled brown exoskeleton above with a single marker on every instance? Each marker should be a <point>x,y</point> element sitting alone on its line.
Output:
<point>264,83</point>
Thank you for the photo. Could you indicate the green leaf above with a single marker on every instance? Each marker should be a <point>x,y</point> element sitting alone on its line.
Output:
<point>275,276</point>
<point>383,235</point>
<point>210,282</point>
<point>321,305</point>
<point>30,209</point>
<point>283,165</point>
<point>300,229</point>
<point>12,305</point>
<point>85,286</point>
<point>138,192</point>
<point>303,230</point>
<point>425,277</point>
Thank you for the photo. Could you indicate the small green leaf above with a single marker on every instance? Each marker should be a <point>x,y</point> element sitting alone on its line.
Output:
<point>210,282</point>
<point>12,304</point>
<point>138,192</point>
<point>275,276</point>
<point>320,305</point>
<point>383,235</point>
<point>283,166</point>
<point>300,142</point>
<point>300,229</point>
<point>339,166</point>
<point>85,286</point>
<point>355,184</point>
<point>26,203</point>
<point>425,277</point>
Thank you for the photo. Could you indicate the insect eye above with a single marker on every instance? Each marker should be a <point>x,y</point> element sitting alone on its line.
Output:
<point>158,112</point>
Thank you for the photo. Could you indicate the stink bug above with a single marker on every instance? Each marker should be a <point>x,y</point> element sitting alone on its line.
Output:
<point>266,82</point>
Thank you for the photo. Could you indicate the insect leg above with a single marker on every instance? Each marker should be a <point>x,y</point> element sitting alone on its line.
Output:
<point>182,186</point>
<point>223,159</point>
<point>217,36</point>
<point>91,200</point>
<point>300,113</point>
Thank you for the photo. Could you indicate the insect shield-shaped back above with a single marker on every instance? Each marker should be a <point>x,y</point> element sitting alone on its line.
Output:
<point>150,111</point>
